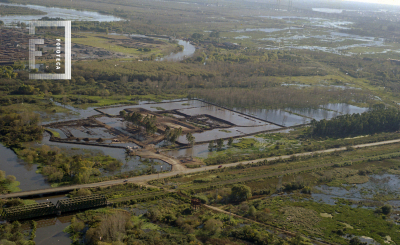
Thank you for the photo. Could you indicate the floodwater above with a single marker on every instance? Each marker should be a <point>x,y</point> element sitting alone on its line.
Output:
<point>76,113</point>
<point>188,51</point>
<point>90,132</point>
<point>175,105</point>
<point>66,14</point>
<point>201,150</point>
<point>50,231</point>
<point>130,163</point>
<point>384,184</point>
<point>277,116</point>
<point>318,34</point>
<point>344,108</point>
<point>304,115</point>
<point>25,173</point>
<point>223,114</point>
<point>218,133</point>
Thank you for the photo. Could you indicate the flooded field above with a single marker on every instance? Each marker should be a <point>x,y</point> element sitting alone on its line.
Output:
<point>318,34</point>
<point>130,163</point>
<point>74,114</point>
<point>159,107</point>
<point>378,186</point>
<point>277,116</point>
<point>25,173</point>
<point>242,123</point>
<point>223,114</point>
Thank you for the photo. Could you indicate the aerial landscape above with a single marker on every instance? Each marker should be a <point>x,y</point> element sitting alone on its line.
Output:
<point>199,122</point>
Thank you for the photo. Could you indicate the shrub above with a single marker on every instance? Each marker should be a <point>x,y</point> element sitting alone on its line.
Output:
<point>240,193</point>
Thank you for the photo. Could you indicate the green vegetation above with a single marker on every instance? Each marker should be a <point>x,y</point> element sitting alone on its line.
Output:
<point>14,234</point>
<point>54,133</point>
<point>8,183</point>
<point>60,168</point>
<point>375,121</point>
<point>167,221</point>
<point>17,128</point>
<point>235,65</point>
<point>171,135</point>
<point>16,10</point>
<point>148,122</point>
<point>299,214</point>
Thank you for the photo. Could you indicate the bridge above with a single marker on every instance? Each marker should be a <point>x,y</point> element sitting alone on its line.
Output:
<point>48,208</point>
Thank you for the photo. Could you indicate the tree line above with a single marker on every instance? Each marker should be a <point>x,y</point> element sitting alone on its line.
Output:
<point>376,120</point>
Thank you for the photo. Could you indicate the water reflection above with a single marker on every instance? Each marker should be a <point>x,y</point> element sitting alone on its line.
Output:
<point>25,173</point>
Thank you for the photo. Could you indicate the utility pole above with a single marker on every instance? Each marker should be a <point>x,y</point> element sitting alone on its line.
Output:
<point>290,5</point>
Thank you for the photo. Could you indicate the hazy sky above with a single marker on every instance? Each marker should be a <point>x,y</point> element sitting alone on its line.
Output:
<point>392,2</point>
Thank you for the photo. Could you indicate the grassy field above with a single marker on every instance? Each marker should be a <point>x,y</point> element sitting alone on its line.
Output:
<point>107,42</point>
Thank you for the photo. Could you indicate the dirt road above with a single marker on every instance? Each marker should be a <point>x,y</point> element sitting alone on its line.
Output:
<point>146,178</point>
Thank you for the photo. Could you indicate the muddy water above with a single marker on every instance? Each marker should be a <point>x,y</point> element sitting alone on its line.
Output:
<point>130,163</point>
<point>227,115</point>
<point>50,231</point>
<point>75,114</point>
<point>215,134</point>
<point>25,173</point>
<point>155,106</point>
<point>345,108</point>
<point>280,117</point>
<point>188,51</point>
<point>67,14</point>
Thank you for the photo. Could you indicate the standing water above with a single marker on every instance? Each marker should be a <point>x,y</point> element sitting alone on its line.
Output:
<point>25,173</point>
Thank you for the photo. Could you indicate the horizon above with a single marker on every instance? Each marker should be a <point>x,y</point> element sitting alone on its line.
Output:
<point>384,2</point>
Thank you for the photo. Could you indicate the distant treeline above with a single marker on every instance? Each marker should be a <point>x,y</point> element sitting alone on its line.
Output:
<point>376,120</point>
<point>16,10</point>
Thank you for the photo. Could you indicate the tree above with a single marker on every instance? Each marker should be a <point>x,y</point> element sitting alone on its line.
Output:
<point>2,175</point>
<point>230,141</point>
<point>1,23</point>
<point>190,138</point>
<point>213,226</point>
<point>211,145</point>
<point>175,133</point>
<point>252,211</point>
<point>386,209</point>
<point>167,133</point>
<point>240,193</point>
<point>10,179</point>
<point>220,144</point>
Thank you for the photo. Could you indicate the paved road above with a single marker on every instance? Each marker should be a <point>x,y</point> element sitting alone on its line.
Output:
<point>146,178</point>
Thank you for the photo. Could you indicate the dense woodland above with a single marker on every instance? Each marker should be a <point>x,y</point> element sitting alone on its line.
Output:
<point>370,122</point>
<point>16,128</point>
